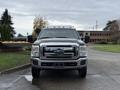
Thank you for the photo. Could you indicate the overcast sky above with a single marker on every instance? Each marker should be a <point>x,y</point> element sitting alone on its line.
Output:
<point>80,13</point>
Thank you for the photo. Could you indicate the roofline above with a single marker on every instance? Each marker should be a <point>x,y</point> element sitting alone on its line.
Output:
<point>90,31</point>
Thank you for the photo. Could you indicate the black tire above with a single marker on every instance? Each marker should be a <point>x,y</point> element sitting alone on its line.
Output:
<point>35,72</point>
<point>83,72</point>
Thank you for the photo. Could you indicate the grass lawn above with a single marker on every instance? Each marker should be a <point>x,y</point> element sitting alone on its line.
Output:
<point>12,59</point>
<point>107,47</point>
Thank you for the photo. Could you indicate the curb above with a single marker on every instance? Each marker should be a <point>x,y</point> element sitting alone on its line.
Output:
<point>11,70</point>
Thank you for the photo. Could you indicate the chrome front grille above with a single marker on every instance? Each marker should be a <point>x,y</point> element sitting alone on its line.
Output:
<point>59,52</point>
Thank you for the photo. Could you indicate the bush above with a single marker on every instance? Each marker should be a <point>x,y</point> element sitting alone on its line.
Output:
<point>9,48</point>
<point>28,48</point>
<point>102,42</point>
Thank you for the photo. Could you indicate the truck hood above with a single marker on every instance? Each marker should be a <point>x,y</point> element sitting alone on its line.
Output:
<point>60,40</point>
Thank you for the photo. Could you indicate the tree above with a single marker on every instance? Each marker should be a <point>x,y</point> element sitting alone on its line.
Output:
<point>113,26</point>
<point>109,25</point>
<point>20,35</point>
<point>38,24</point>
<point>7,31</point>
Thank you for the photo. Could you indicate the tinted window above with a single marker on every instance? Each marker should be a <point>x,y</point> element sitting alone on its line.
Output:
<point>59,33</point>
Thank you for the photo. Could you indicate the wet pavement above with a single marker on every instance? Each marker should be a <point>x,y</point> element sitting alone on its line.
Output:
<point>103,74</point>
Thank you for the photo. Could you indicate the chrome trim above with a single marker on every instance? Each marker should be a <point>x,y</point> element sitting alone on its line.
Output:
<point>59,43</point>
<point>53,46</point>
<point>61,67</point>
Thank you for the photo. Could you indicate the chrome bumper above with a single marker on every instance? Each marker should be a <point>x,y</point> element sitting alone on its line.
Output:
<point>59,64</point>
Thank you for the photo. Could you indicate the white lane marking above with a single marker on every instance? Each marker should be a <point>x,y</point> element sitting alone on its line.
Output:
<point>14,81</point>
<point>28,77</point>
<point>96,75</point>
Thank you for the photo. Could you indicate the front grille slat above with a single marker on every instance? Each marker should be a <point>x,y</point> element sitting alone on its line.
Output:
<point>59,57</point>
<point>59,52</point>
<point>58,64</point>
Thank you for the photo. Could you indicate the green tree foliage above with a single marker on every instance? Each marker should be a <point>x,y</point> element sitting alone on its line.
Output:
<point>5,33</point>
<point>38,24</point>
<point>6,29</point>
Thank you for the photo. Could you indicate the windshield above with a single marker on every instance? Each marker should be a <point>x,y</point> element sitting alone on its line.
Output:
<point>58,33</point>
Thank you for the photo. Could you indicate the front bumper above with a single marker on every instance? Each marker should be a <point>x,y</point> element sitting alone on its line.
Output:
<point>59,64</point>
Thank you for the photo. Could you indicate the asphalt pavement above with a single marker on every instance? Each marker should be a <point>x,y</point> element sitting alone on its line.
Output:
<point>103,74</point>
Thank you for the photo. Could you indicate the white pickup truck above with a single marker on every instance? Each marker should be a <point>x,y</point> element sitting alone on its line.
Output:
<point>59,48</point>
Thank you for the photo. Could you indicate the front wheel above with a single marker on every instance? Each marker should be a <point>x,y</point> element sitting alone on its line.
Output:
<point>83,72</point>
<point>35,72</point>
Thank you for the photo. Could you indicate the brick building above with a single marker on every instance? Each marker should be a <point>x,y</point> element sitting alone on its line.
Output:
<point>97,36</point>
<point>102,36</point>
<point>111,33</point>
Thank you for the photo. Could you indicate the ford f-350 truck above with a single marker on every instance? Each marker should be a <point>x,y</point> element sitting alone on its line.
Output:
<point>59,48</point>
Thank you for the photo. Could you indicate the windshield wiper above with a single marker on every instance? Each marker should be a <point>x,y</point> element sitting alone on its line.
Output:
<point>52,37</point>
<point>45,37</point>
<point>61,37</point>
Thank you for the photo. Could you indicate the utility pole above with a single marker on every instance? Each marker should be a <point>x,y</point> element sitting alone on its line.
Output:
<point>93,28</point>
<point>27,37</point>
<point>96,26</point>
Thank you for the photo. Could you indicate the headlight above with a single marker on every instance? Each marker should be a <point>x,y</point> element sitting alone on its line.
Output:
<point>35,51</point>
<point>83,51</point>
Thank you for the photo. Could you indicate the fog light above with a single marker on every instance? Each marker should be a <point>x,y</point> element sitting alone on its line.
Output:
<point>35,62</point>
<point>83,62</point>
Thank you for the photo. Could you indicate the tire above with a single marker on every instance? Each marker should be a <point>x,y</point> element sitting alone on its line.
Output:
<point>35,72</point>
<point>83,72</point>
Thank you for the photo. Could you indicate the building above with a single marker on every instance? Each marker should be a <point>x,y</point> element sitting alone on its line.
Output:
<point>101,36</point>
<point>97,36</point>
<point>111,33</point>
<point>20,38</point>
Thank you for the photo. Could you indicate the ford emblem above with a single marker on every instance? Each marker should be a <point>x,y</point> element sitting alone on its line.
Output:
<point>59,52</point>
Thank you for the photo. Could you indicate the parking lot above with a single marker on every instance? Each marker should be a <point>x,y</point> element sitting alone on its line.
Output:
<point>103,74</point>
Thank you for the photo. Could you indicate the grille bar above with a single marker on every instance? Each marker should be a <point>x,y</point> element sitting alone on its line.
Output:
<point>59,64</point>
<point>59,52</point>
